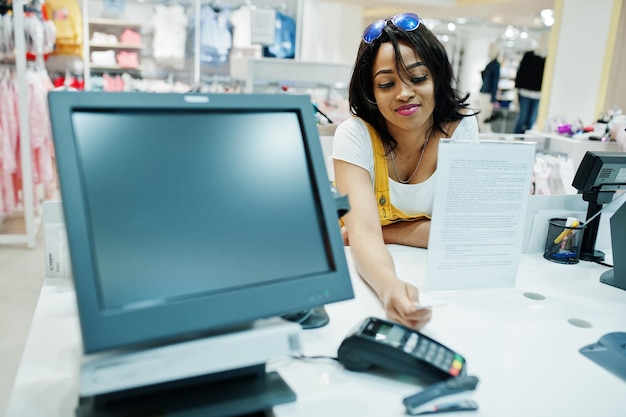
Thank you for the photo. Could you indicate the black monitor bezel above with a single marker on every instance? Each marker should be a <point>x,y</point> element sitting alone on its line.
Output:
<point>105,330</point>
<point>588,177</point>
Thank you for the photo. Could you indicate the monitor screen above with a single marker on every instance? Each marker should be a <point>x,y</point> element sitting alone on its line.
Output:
<point>191,214</point>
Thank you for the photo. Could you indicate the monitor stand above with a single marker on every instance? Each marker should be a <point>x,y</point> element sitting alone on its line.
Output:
<point>608,278</point>
<point>616,276</point>
<point>220,375</point>
<point>252,392</point>
<point>312,318</point>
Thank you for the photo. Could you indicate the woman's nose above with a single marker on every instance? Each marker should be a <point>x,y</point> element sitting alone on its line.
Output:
<point>406,92</point>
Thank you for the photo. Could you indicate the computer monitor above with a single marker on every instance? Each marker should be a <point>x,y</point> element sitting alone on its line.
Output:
<point>192,214</point>
<point>600,175</point>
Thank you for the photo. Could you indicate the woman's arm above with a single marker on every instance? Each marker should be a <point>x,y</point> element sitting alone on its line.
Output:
<point>411,233</point>
<point>371,257</point>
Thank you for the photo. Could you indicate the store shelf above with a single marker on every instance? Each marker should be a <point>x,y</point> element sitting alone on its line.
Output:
<point>123,46</point>
<point>113,23</point>
<point>104,68</point>
<point>115,28</point>
<point>288,71</point>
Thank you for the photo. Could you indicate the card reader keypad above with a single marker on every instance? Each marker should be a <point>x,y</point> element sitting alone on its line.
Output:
<point>434,353</point>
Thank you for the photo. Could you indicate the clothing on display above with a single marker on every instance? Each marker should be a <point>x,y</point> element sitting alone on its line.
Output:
<point>7,42</point>
<point>164,44</point>
<point>38,84</point>
<point>40,33</point>
<point>169,28</point>
<point>130,37</point>
<point>127,59</point>
<point>104,38</point>
<point>114,7</point>
<point>215,35</point>
<point>103,58</point>
<point>68,80</point>
<point>5,6</point>
<point>68,21</point>
<point>553,174</point>
<point>285,39</point>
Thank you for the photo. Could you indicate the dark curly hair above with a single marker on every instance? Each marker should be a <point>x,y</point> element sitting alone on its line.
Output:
<point>448,101</point>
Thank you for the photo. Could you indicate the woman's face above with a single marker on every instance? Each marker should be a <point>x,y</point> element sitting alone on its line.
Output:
<point>406,104</point>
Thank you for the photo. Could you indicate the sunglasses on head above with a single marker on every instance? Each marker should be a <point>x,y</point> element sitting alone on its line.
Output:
<point>404,21</point>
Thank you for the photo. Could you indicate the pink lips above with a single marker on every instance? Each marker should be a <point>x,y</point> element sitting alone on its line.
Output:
<point>407,110</point>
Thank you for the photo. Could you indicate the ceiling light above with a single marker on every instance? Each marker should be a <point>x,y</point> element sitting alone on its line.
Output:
<point>547,16</point>
<point>451,27</point>
<point>510,33</point>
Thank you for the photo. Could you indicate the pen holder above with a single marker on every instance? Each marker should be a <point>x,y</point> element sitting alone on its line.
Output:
<point>563,242</point>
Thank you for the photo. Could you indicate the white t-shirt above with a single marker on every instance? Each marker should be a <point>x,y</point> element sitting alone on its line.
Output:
<point>352,143</point>
<point>169,25</point>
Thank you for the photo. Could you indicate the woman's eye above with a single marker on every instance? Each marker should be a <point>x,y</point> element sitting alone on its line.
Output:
<point>385,85</point>
<point>417,80</point>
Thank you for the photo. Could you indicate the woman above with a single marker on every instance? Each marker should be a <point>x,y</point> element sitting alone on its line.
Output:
<point>489,90</point>
<point>385,158</point>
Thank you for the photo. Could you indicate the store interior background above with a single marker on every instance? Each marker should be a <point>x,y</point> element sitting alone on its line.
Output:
<point>583,40</point>
<point>586,49</point>
<point>587,53</point>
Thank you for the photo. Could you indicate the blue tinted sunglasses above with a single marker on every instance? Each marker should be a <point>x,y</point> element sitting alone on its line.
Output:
<point>405,21</point>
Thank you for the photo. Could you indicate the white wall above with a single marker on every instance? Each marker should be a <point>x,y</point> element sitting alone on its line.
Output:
<point>475,44</point>
<point>616,94</point>
<point>579,60</point>
<point>331,32</point>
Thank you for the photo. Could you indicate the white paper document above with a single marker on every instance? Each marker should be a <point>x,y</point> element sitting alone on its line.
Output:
<point>478,217</point>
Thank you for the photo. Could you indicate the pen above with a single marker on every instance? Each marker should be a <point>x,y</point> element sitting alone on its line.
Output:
<point>566,232</point>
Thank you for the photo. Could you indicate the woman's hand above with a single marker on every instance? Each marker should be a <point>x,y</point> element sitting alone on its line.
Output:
<point>400,300</point>
<point>344,235</point>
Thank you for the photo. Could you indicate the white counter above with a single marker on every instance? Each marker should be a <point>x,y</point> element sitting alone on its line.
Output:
<point>524,351</point>
<point>574,147</point>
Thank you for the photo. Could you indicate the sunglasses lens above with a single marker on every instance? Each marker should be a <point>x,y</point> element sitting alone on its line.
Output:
<point>406,21</point>
<point>373,31</point>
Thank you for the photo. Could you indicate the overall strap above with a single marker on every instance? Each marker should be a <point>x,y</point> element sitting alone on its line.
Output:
<point>381,178</point>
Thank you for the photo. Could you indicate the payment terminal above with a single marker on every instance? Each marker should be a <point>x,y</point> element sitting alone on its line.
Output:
<point>382,343</point>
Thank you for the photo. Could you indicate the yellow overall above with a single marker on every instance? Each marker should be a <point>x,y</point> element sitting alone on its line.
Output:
<point>387,212</point>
